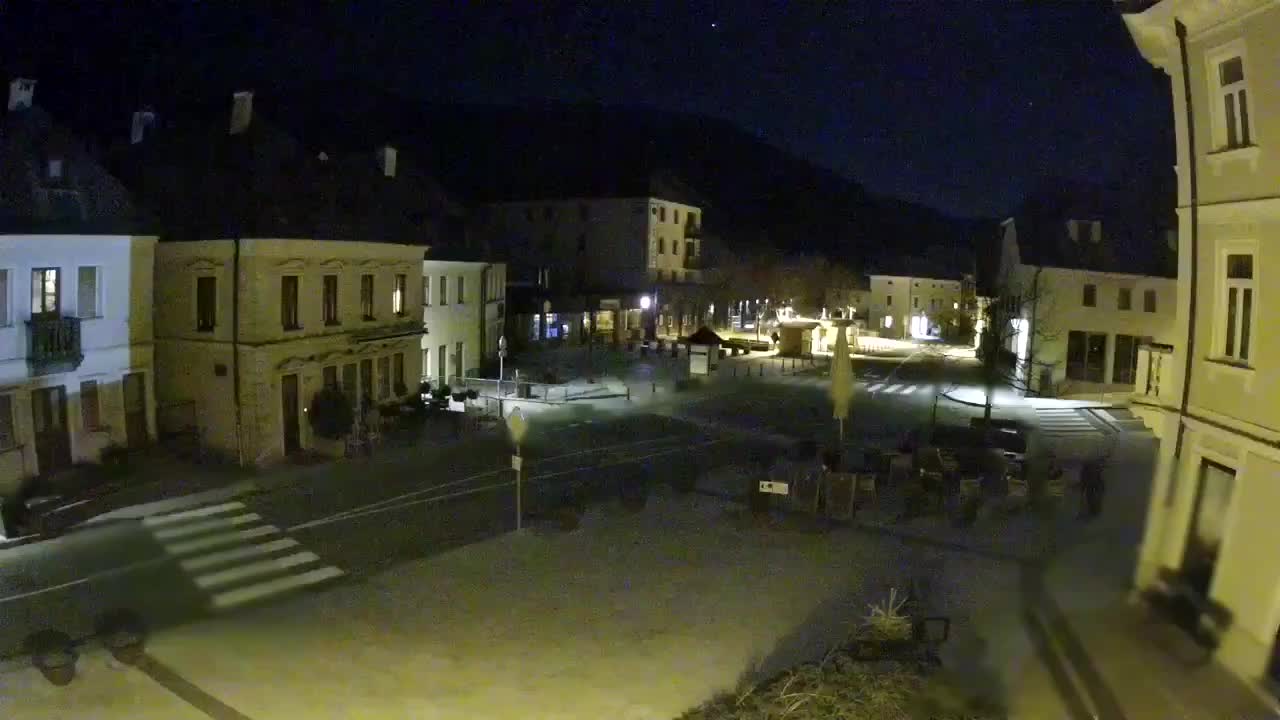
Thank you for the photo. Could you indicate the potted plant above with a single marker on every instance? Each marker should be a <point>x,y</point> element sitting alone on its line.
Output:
<point>331,418</point>
<point>885,631</point>
<point>54,654</point>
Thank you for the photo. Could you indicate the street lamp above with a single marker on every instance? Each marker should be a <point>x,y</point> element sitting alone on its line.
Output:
<point>645,302</point>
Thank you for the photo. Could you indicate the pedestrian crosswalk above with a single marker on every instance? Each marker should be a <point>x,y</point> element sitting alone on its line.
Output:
<point>871,385</point>
<point>233,556</point>
<point>1066,423</point>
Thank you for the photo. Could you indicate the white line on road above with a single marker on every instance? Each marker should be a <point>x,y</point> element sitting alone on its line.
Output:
<point>892,389</point>
<point>249,593</point>
<point>910,389</point>
<point>205,526</point>
<point>219,540</point>
<point>155,520</point>
<point>875,388</point>
<point>240,553</point>
<point>255,569</point>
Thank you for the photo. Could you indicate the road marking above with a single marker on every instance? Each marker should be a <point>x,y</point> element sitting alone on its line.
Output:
<point>240,553</point>
<point>875,388</point>
<point>262,567</point>
<point>910,389</point>
<point>157,520</point>
<point>213,541</point>
<point>207,525</point>
<point>892,388</point>
<point>258,591</point>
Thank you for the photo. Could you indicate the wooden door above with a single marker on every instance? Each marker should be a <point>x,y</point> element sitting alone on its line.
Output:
<point>289,413</point>
<point>135,409</point>
<point>49,421</point>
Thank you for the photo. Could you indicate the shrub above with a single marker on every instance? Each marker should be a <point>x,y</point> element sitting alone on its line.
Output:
<point>331,414</point>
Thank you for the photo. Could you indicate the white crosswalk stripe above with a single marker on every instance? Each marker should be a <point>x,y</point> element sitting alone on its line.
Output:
<point>235,557</point>
<point>1066,423</point>
<point>872,386</point>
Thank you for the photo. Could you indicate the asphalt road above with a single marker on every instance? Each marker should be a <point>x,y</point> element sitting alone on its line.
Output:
<point>336,525</point>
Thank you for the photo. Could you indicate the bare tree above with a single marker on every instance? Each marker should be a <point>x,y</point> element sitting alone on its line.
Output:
<point>1008,320</point>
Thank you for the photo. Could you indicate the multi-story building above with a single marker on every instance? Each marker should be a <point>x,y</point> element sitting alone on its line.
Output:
<point>848,302</point>
<point>594,261</point>
<point>463,315</point>
<point>1211,521</point>
<point>76,368</point>
<point>281,270</point>
<point>1090,286</point>
<point>903,306</point>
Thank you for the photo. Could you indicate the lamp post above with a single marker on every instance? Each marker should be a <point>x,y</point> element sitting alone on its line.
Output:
<point>502,356</point>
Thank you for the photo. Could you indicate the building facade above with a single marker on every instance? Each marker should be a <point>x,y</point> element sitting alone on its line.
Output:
<point>463,316</point>
<point>901,306</point>
<point>76,356</point>
<point>1211,520</point>
<point>246,336</point>
<point>1079,327</point>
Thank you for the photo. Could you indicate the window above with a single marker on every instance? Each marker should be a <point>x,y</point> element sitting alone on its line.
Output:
<point>206,303</point>
<point>4,298</point>
<point>397,373</point>
<point>1238,311</point>
<point>1086,356</point>
<point>426,290</point>
<point>662,246</point>
<point>1208,526</point>
<point>55,168</point>
<point>1125,367</point>
<point>366,297</point>
<point>1125,301</point>
<point>441,370</point>
<point>349,383</point>
<point>366,381</point>
<point>397,294</point>
<point>330,299</point>
<point>87,299</point>
<point>1149,301</point>
<point>7,441</point>
<point>1090,295</point>
<point>675,216</point>
<point>90,410</point>
<point>459,361</point>
<point>662,214</point>
<point>289,302</point>
<point>888,300</point>
<point>462,287</point>
<point>1234,101</point>
<point>45,291</point>
<point>384,378</point>
<point>329,376</point>
<point>915,302</point>
<point>528,214</point>
<point>584,211</point>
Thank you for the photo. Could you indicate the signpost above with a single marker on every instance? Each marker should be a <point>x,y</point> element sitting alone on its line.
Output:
<point>517,427</point>
<point>774,488</point>
<point>502,356</point>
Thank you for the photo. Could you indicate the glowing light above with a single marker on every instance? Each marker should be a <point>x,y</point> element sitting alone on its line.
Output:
<point>646,302</point>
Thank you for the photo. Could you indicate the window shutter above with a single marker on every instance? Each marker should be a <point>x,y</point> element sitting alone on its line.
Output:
<point>87,298</point>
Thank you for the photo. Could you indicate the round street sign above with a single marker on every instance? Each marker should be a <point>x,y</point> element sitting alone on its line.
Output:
<point>517,426</point>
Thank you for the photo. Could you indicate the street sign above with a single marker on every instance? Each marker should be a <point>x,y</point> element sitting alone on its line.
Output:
<point>517,426</point>
<point>457,405</point>
<point>502,349</point>
<point>516,462</point>
<point>774,488</point>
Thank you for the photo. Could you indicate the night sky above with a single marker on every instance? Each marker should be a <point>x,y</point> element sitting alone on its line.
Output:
<point>962,105</point>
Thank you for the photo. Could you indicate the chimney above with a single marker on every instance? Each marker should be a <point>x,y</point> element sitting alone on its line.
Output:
<point>142,119</point>
<point>241,111</point>
<point>387,161</point>
<point>20,92</point>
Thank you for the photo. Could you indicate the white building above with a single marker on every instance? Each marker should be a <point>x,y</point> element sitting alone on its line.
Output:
<point>1080,324</point>
<point>76,368</point>
<point>463,315</point>
<point>902,306</point>
<point>1212,517</point>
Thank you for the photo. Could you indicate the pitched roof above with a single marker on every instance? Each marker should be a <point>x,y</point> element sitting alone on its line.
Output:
<point>705,336</point>
<point>81,198</point>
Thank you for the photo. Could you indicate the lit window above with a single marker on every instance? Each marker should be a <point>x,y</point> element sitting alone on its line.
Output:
<point>1234,103</point>
<point>397,295</point>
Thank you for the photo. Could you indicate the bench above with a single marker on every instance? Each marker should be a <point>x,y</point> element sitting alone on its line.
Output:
<point>1204,619</point>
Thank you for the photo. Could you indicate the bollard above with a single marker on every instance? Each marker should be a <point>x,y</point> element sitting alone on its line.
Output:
<point>761,369</point>
<point>735,371</point>
<point>653,387</point>
<point>628,393</point>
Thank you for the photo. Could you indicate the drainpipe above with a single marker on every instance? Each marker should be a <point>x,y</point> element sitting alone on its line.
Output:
<point>235,345</point>
<point>1195,244</point>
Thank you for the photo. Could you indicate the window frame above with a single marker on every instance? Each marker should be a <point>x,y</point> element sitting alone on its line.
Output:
<point>97,292</point>
<point>6,296</point>
<point>213,309</point>
<point>1150,303</point>
<point>1240,351</point>
<point>368,297</point>
<point>330,296</point>
<point>461,286</point>
<point>290,321</point>
<point>8,423</point>
<point>1089,295</point>
<point>57,292</point>
<point>442,295</point>
<point>88,425</point>
<point>1221,129</point>
<point>426,291</point>
<point>399,288</point>
<point>1124,299</point>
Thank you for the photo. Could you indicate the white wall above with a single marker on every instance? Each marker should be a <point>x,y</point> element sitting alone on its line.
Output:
<point>451,322</point>
<point>911,296</point>
<point>117,341</point>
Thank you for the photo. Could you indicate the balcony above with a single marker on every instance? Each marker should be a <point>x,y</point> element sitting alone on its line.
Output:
<point>53,344</point>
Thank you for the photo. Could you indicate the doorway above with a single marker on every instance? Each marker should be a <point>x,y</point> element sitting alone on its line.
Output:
<point>135,409</point>
<point>1273,670</point>
<point>289,413</point>
<point>1208,520</point>
<point>49,420</point>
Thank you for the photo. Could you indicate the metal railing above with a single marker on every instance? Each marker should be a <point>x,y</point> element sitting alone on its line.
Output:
<point>53,344</point>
